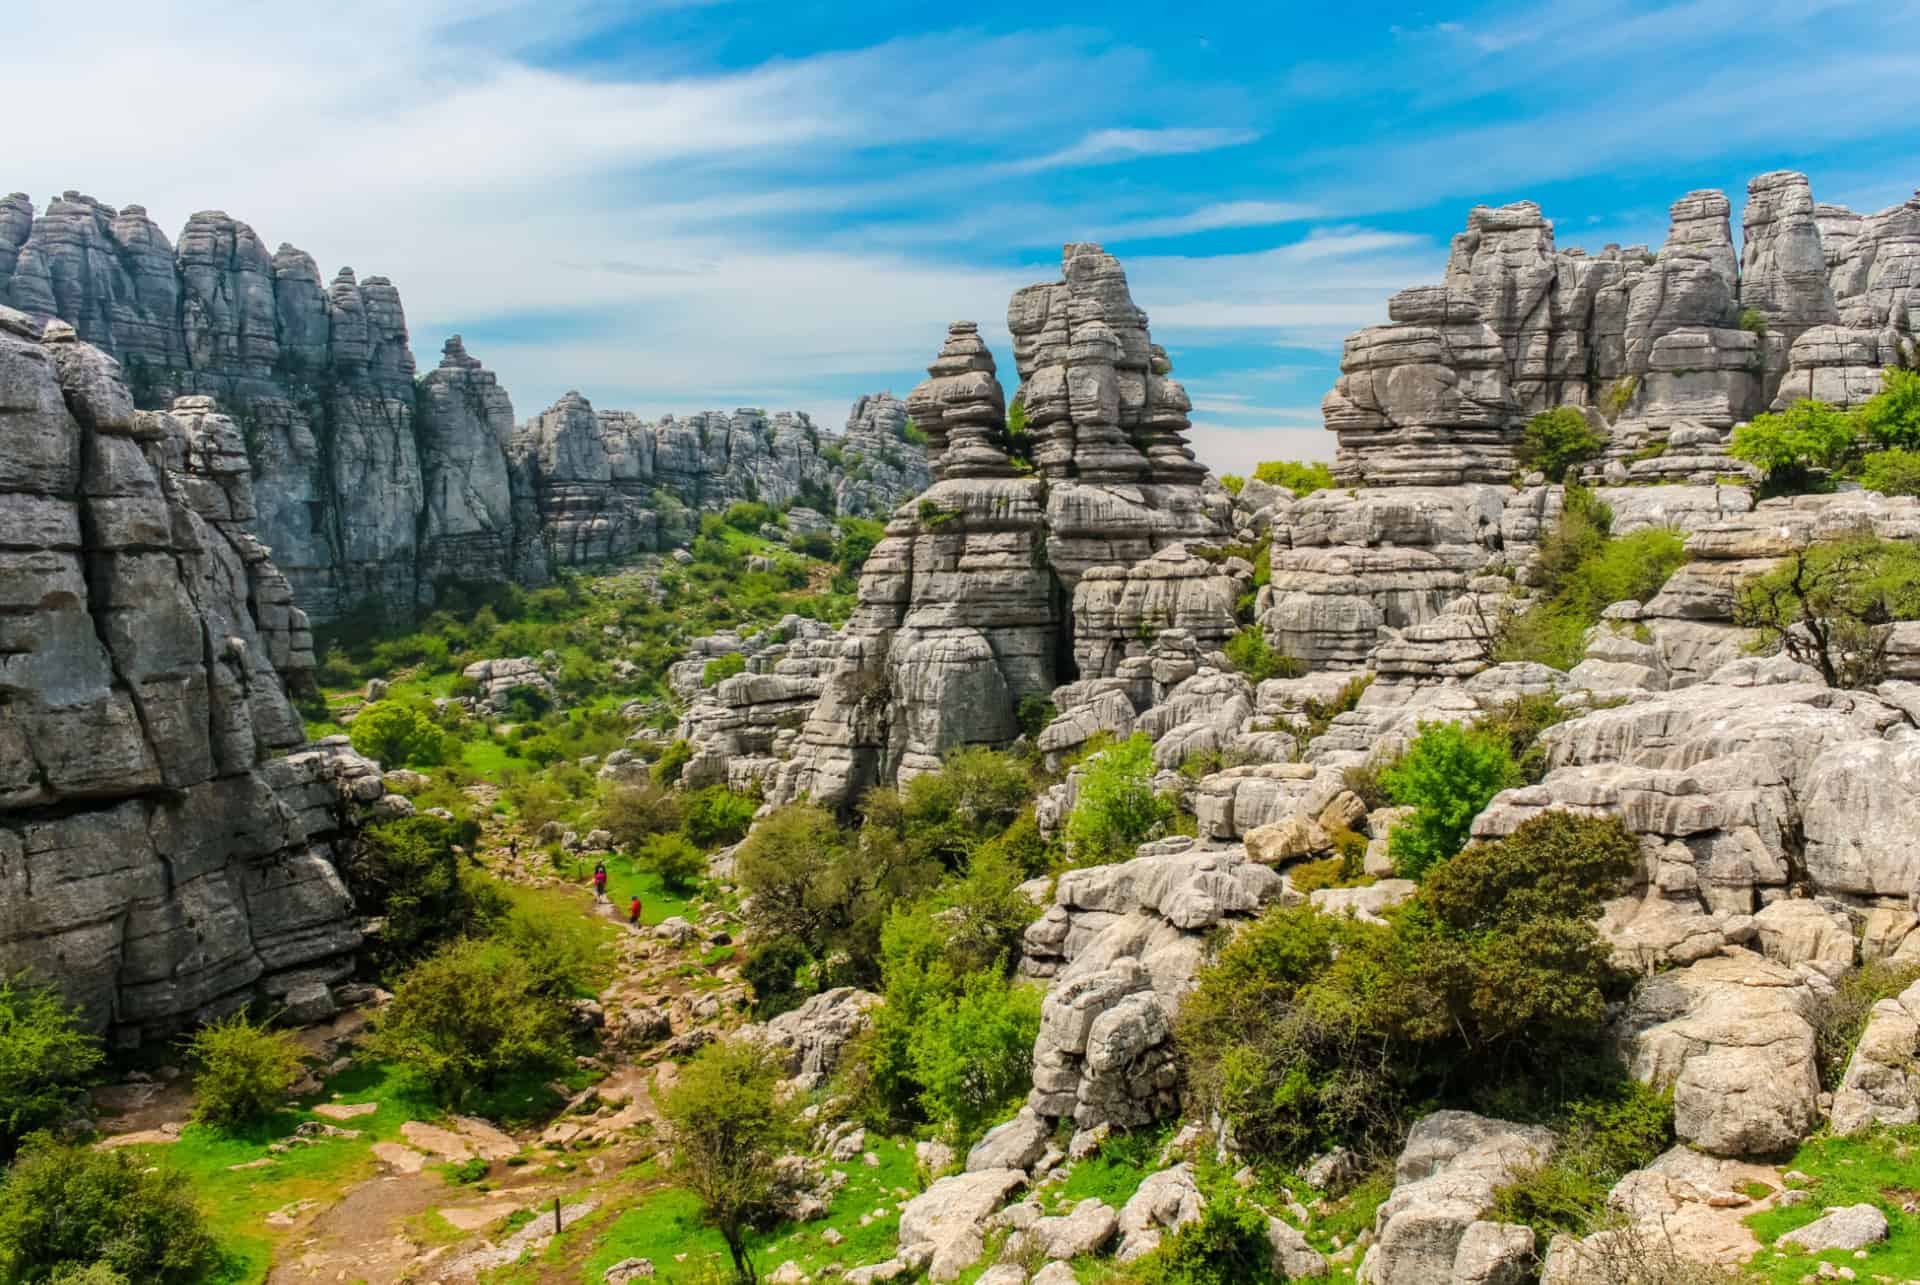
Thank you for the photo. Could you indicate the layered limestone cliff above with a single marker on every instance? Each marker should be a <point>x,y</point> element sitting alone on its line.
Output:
<point>163,857</point>
<point>971,604</point>
<point>371,486</point>
<point>1669,348</point>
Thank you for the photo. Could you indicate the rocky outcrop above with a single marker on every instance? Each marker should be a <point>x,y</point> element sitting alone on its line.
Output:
<point>813,1035</point>
<point>369,489</point>
<point>1433,1229</point>
<point>163,858</point>
<point>1121,945</point>
<point>1665,351</point>
<point>968,607</point>
<point>1882,1081</point>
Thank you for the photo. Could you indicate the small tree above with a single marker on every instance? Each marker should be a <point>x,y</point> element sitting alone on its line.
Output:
<point>1555,440</point>
<point>45,1058</point>
<point>1831,606</point>
<point>245,1071</point>
<point>1301,479</point>
<point>471,1015</point>
<point>1448,774</point>
<point>1892,416</point>
<point>71,1209</point>
<point>1789,446</point>
<point>730,1128</point>
<point>1249,652</point>
<point>1894,472</point>
<point>633,813</point>
<point>973,1053</point>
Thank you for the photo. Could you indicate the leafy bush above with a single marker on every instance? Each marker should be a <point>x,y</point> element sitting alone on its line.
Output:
<point>1233,482</point>
<point>399,734</point>
<point>67,1209</point>
<point>1891,472</point>
<point>910,432</point>
<point>1788,447</point>
<point>676,862</point>
<point>1034,712</point>
<point>470,1015</point>
<point>1585,569</point>
<point>1621,1127</point>
<point>813,544</point>
<point>245,1071</point>
<point>1301,478</point>
<point>45,1058</point>
<point>773,974</point>
<point>634,813</point>
<point>408,872</point>
<point>1556,440</point>
<point>1488,989</point>
<point>1891,417</point>
<point>1227,1246</point>
<point>716,817</point>
<point>945,816</point>
<point>750,516</point>
<point>1249,652</point>
<point>1117,807</point>
<point>1448,774</point>
<point>721,668</point>
<point>673,760</point>
<point>1840,1018</point>
<point>526,704</point>
<point>973,1054</point>
<point>1753,321</point>
<point>1832,605</point>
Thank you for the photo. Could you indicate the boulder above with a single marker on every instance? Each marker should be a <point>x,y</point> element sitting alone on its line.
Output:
<point>1165,1201</point>
<point>949,1218</point>
<point>1882,1081</point>
<point>1433,1227</point>
<point>1854,1227</point>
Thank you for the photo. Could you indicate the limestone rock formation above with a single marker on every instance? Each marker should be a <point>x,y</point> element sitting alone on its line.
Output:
<point>1433,1229</point>
<point>162,858</point>
<point>969,606</point>
<point>1666,350</point>
<point>1881,1085</point>
<point>370,489</point>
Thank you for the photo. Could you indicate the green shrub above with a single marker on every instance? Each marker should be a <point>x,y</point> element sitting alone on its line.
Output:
<point>73,1209</point>
<point>1621,1127</point>
<point>676,862</point>
<point>1788,447</point>
<point>1619,396</point>
<point>750,516</point>
<point>1892,416</point>
<point>772,972</point>
<point>973,1054</point>
<point>721,668</point>
<point>946,815</point>
<point>1301,478</point>
<point>1555,440</point>
<point>1233,482</point>
<point>45,1058</point>
<point>244,1071</point>
<point>1840,1018</point>
<point>1034,712</point>
<point>716,817</point>
<point>1447,775</point>
<point>408,872</point>
<point>1891,472</point>
<point>1489,989</point>
<point>673,760</point>
<point>814,544</point>
<point>1753,321</point>
<point>1117,807</point>
<point>526,704</point>
<point>1249,652</point>
<point>910,432</point>
<point>634,813</point>
<point>399,734</point>
<point>470,1015</point>
<point>1227,1246</point>
<point>857,538</point>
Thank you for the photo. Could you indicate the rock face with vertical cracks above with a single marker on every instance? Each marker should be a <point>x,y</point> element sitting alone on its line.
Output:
<point>969,605</point>
<point>157,860</point>
<point>1664,351</point>
<point>370,488</point>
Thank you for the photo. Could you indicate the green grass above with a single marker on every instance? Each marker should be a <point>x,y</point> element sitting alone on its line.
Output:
<point>1879,1168</point>
<point>564,916</point>
<point>644,1217</point>
<point>1117,1171</point>
<point>237,1203</point>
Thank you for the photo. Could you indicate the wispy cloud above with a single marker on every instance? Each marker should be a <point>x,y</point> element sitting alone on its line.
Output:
<point>1108,146</point>
<point>1214,218</point>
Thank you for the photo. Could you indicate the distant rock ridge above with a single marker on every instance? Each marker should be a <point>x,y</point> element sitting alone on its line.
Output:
<point>371,486</point>
<point>1668,348</point>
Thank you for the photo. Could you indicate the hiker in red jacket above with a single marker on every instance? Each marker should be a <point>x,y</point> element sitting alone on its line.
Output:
<point>633,913</point>
<point>599,880</point>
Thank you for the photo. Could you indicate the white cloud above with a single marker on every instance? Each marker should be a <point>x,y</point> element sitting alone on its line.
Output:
<point>1213,218</point>
<point>1106,146</point>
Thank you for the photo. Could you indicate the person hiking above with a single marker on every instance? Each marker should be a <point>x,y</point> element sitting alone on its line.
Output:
<point>513,849</point>
<point>633,912</point>
<point>599,880</point>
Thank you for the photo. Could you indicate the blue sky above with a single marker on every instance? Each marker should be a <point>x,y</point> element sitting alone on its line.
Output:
<point>678,205</point>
